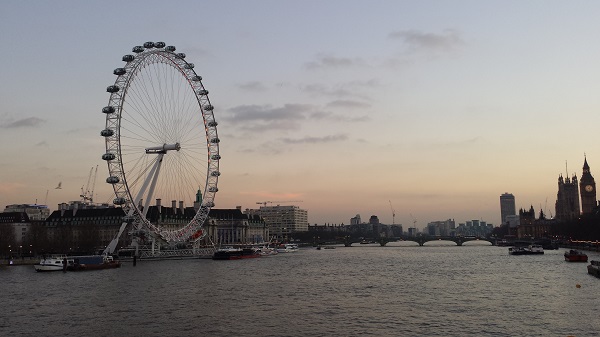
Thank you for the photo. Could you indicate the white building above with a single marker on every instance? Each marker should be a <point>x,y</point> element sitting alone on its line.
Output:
<point>33,211</point>
<point>283,220</point>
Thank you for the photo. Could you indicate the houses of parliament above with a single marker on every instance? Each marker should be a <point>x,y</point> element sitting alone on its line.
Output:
<point>575,199</point>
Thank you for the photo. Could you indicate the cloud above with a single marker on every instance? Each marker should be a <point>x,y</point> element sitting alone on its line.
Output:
<point>348,104</point>
<point>416,41</point>
<point>315,140</point>
<point>245,113</point>
<point>332,62</point>
<point>337,117</point>
<point>23,123</point>
<point>42,144</point>
<point>252,86</point>
<point>354,89</point>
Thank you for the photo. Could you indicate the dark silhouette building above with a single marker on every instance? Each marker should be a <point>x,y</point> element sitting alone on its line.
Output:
<point>587,186</point>
<point>567,199</point>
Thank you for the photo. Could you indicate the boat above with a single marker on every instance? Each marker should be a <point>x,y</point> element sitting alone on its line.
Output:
<point>575,256</point>
<point>594,268</point>
<point>230,253</point>
<point>529,250</point>
<point>266,250</point>
<point>54,263</point>
<point>287,248</point>
<point>93,262</point>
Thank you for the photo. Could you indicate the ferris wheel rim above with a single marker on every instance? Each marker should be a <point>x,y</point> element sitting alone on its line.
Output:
<point>154,54</point>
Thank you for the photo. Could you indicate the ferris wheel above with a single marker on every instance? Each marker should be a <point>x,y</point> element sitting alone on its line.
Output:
<point>161,142</point>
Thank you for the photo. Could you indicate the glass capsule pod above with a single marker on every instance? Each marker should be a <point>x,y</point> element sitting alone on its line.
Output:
<point>213,124</point>
<point>203,92</point>
<point>197,78</point>
<point>112,88</point>
<point>170,48</point>
<point>215,140</point>
<point>159,44</point>
<point>189,66</point>
<point>215,157</point>
<point>107,133</point>
<point>181,55</point>
<point>148,44</point>
<point>108,156</point>
<point>137,49</point>
<point>112,180</point>
<point>128,58</point>
<point>119,71</point>
<point>108,109</point>
<point>215,173</point>
<point>119,201</point>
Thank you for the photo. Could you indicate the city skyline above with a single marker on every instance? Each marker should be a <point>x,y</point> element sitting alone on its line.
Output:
<point>428,110</point>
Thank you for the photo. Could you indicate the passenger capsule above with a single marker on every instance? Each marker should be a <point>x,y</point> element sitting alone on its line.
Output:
<point>148,44</point>
<point>107,132</point>
<point>137,49</point>
<point>108,109</point>
<point>189,66</point>
<point>215,140</point>
<point>108,156</point>
<point>208,107</point>
<point>212,124</point>
<point>181,55</point>
<point>128,58</point>
<point>215,173</point>
<point>119,201</point>
<point>209,204</point>
<point>213,189</point>
<point>119,71</point>
<point>197,78</point>
<point>159,44</point>
<point>203,92</point>
<point>112,88</point>
<point>112,180</point>
<point>215,157</point>
<point>170,48</point>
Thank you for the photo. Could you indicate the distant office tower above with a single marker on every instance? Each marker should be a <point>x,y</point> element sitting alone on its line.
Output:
<point>567,199</point>
<point>587,186</point>
<point>355,220</point>
<point>507,206</point>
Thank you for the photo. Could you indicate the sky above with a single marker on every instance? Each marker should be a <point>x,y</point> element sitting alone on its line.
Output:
<point>429,110</point>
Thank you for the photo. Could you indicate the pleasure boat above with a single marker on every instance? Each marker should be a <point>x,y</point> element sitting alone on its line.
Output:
<point>287,248</point>
<point>575,256</point>
<point>529,250</point>
<point>594,268</point>
<point>54,263</point>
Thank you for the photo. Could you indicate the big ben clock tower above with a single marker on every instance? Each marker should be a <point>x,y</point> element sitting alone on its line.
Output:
<point>587,188</point>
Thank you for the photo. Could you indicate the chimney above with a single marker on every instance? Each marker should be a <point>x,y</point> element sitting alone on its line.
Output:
<point>181,207</point>
<point>174,206</point>
<point>158,205</point>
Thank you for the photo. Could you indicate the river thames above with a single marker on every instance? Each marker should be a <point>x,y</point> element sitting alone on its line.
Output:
<point>364,290</point>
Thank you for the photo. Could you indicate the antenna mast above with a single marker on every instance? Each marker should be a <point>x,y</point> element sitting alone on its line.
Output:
<point>393,213</point>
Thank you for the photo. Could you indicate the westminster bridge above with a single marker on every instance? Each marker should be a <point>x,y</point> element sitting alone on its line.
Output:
<point>421,239</point>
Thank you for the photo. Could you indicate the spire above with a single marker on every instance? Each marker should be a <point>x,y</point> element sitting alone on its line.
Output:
<point>586,167</point>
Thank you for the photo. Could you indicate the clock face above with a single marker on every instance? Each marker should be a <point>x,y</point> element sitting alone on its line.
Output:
<point>589,188</point>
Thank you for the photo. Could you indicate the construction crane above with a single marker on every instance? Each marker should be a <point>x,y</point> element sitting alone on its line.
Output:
<point>414,223</point>
<point>87,195</point>
<point>264,203</point>
<point>393,213</point>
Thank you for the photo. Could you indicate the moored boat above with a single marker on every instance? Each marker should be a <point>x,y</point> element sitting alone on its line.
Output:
<point>236,253</point>
<point>575,256</point>
<point>287,248</point>
<point>93,262</point>
<point>529,250</point>
<point>54,263</point>
<point>594,268</point>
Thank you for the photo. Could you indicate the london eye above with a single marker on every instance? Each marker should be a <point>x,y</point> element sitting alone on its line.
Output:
<point>161,141</point>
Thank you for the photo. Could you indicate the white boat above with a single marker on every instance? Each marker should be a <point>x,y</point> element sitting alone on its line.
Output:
<point>267,251</point>
<point>529,250</point>
<point>287,248</point>
<point>54,263</point>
